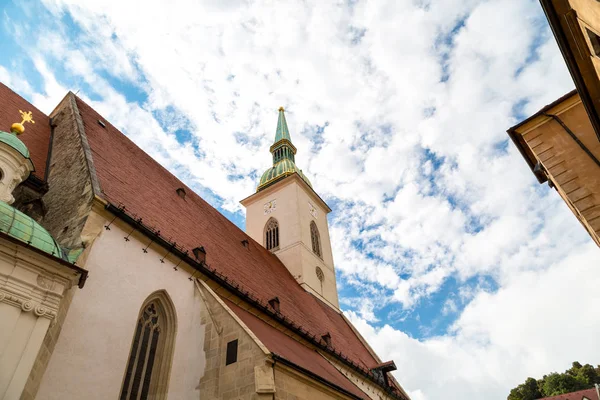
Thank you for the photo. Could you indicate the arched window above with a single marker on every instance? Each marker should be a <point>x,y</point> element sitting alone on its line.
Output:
<point>272,234</point>
<point>315,238</point>
<point>149,363</point>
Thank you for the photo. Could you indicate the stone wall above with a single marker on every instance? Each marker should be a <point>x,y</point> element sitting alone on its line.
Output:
<point>71,176</point>
<point>291,385</point>
<point>242,379</point>
<point>29,198</point>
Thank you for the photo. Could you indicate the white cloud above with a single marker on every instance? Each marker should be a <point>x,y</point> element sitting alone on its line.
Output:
<point>398,110</point>
<point>536,324</point>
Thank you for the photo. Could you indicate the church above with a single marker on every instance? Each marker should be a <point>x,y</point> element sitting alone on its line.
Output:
<point>117,281</point>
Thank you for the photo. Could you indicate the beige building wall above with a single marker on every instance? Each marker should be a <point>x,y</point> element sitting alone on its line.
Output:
<point>294,205</point>
<point>588,22</point>
<point>91,353</point>
<point>31,289</point>
<point>573,172</point>
<point>576,28</point>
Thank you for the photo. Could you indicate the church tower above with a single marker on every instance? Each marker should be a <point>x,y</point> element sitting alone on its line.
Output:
<point>289,218</point>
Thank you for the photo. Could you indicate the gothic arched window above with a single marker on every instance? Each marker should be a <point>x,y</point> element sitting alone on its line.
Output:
<point>149,363</point>
<point>315,238</point>
<point>272,234</point>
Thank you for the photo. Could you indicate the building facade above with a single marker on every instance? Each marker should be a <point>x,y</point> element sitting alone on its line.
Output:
<point>561,142</point>
<point>576,28</point>
<point>180,303</point>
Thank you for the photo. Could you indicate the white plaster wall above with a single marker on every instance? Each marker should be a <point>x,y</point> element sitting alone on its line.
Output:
<point>91,354</point>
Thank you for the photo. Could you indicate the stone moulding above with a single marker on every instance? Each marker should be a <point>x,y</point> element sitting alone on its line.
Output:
<point>32,283</point>
<point>26,305</point>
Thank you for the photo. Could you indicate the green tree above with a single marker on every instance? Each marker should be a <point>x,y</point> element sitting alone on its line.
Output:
<point>526,391</point>
<point>555,384</point>
<point>578,377</point>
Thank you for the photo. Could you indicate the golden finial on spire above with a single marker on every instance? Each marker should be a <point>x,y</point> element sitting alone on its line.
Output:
<point>17,128</point>
<point>281,109</point>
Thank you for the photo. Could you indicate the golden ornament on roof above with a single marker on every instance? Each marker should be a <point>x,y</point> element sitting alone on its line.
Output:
<point>18,128</point>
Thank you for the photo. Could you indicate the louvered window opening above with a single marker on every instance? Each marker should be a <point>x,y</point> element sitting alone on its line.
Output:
<point>142,357</point>
<point>315,239</point>
<point>272,235</point>
<point>283,152</point>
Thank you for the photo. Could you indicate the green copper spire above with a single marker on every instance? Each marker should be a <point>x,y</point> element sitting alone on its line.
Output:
<point>284,163</point>
<point>282,128</point>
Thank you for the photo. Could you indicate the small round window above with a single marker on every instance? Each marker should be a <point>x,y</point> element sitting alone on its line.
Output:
<point>320,274</point>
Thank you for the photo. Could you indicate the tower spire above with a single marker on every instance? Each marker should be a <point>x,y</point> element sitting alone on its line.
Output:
<point>282,148</point>
<point>284,152</point>
<point>282,129</point>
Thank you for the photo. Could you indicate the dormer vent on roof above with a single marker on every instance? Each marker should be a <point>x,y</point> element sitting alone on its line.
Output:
<point>101,123</point>
<point>245,243</point>
<point>274,303</point>
<point>200,254</point>
<point>181,192</point>
<point>381,371</point>
<point>327,339</point>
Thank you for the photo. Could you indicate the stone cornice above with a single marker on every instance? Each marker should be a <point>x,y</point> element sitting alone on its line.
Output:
<point>32,283</point>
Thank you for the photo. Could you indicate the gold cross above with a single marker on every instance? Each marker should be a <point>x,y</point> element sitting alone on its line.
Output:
<point>27,117</point>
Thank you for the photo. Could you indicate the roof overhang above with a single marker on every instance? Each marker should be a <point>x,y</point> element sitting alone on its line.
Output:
<point>567,29</point>
<point>83,273</point>
<point>516,132</point>
<point>283,182</point>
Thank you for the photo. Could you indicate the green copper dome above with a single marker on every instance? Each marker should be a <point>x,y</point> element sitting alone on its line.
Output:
<point>20,226</point>
<point>13,141</point>
<point>283,156</point>
<point>279,171</point>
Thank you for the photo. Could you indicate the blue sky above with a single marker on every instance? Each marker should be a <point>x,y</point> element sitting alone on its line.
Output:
<point>442,238</point>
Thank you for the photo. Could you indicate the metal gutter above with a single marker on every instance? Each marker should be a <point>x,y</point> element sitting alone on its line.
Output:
<point>237,289</point>
<point>84,273</point>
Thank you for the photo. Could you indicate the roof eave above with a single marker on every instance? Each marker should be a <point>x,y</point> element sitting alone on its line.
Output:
<point>514,136</point>
<point>83,273</point>
<point>517,139</point>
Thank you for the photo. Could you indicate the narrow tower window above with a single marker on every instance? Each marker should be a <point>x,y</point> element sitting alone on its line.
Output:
<point>147,373</point>
<point>315,239</point>
<point>272,234</point>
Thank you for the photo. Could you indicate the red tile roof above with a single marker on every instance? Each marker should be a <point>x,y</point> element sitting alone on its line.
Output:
<point>130,177</point>
<point>281,344</point>
<point>36,136</point>
<point>590,394</point>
